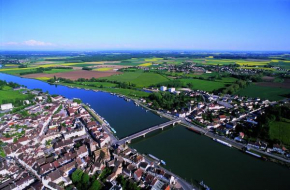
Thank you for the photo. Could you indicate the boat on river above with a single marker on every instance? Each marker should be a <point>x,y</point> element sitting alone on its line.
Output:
<point>194,130</point>
<point>204,185</point>
<point>222,142</point>
<point>157,159</point>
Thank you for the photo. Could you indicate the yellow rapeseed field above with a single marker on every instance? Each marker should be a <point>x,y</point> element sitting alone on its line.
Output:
<point>145,64</point>
<point>43,78</point>
<point>103,69</point>
<point>153,59</point>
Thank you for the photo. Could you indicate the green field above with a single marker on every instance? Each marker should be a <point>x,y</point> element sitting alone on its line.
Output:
<point>139,78</point>
<point>280,130</point>
<point>270,93</point>
<point>7,93</point>
<point>58,71</point>
<point>199,84</point>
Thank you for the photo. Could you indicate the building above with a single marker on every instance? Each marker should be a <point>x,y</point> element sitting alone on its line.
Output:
<point>163,88</point>
<point>171,90</point>
<point>6,106</point>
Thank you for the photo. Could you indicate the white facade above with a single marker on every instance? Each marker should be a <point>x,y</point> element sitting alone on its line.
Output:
<point>6,106</point>
<point>163,88</point>
<point>171,90</point>
<point>75,133</point>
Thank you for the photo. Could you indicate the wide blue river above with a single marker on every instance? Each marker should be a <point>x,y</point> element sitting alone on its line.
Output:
<point>191,156</point>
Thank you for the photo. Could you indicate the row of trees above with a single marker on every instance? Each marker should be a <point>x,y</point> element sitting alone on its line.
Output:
<point>231,89</point>
<point>3,83</point>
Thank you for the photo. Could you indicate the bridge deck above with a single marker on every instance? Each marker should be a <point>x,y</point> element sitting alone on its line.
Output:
<point>144,132</point>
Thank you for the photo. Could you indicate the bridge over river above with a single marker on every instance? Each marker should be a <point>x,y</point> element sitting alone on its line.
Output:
<point>144,132</point>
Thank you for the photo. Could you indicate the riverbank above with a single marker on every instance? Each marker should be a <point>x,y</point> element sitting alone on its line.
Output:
<point>114,140</point>
<point>188,154</point>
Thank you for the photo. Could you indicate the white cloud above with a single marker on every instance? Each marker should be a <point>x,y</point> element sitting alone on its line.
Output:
<point>11,43</point>
<point>28,43</point>
<point>36,43</point>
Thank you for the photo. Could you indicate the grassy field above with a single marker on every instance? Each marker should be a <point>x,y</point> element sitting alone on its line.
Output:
<point>103,69</point>
<point>280,130</point>
<point>270,93</point>
<point>199,84</point>
<point>139,78</point>
<point>58,71</point>
<point>7,93</point>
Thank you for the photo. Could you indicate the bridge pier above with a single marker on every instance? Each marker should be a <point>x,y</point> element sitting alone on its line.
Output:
<point>173,123</point>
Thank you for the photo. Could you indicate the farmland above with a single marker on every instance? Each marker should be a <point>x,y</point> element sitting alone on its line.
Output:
<point>280,130</point>
<point>8,94</point>
<point>103,69</point>
<point>140,79</point>
<point>198,84</point>
<point>74,75</point>
<point>264,92</point>
<point>58,71</point>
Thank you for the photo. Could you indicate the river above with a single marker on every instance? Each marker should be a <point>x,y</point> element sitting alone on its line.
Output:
<point>187,154</point>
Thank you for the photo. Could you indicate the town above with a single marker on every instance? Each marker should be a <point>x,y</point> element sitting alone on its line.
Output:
<point>225,115</point>
<point>54,143</point>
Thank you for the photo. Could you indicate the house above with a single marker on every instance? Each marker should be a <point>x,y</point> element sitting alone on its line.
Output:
<point>163,88</point>
<point>55,176</point>
<point>57,98</point>
<point>24,182</point>
<point>138,174</point>
<point>158,185</point>
<point>278,148</point>
<point>46,168</point>
<point>102,155</point>
<point>222,117</point>
<point>38,98</point>
<point>23,140</point>
<point>171,90</point>
<point>82,151</point>
<point>116,171</point>
<point>6,106</point>
<point>144,165</point>
<point>26,102</point>
<point>74,133</point>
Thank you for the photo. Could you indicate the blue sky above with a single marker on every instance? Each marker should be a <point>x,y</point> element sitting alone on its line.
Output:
<point>261,25</point>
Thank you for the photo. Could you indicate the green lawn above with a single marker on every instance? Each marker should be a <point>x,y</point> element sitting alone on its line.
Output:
<point>58,71</point>
<point>139,78</point>
<point>270,93</point>
<point>7,93</point>
<point>199,84</point>
<point>280,130</point>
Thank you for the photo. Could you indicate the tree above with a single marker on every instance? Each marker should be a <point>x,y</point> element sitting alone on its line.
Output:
<point>96,185</point>
<point>85,179</point>
<point>77,176</point>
